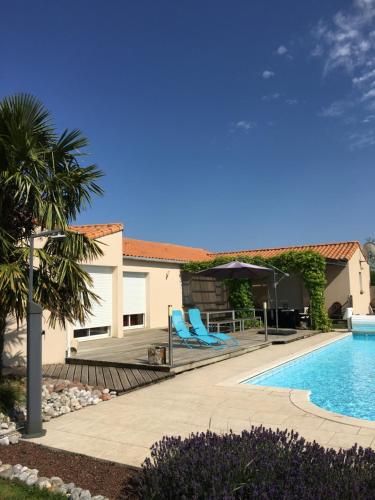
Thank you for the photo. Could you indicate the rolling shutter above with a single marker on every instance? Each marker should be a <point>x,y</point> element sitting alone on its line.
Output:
<point>134,293</point>
<point>102,286</point>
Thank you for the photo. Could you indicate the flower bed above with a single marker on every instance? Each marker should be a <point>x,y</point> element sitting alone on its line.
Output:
<point>259,463</point>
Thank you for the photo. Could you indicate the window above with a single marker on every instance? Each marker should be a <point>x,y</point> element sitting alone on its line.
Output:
<point>360,282</point>
<point>133,320</point>
<point>91,332</point>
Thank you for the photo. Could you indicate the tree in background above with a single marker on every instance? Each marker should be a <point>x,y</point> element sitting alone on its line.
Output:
<point>371,261</point>
<point>43,185</point>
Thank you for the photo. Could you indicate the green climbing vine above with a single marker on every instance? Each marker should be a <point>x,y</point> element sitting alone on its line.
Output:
<point>308,264</point>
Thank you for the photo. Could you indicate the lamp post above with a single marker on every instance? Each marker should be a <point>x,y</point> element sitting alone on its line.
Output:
<point>34,348</point>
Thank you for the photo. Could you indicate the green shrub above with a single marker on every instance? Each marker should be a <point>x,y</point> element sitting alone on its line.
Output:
<point>309,265</point>
<point>10,393</point>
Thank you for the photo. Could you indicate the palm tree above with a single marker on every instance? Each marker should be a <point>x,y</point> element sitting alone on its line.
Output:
<point>43,185</point>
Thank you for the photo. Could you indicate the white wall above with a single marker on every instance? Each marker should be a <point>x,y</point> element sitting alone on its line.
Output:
<point>163,288</point>
<point>359,288</point>
<point>55,340</point>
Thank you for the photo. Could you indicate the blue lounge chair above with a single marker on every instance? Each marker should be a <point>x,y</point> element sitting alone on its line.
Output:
<point>190,340</point>
<point>200,329</point>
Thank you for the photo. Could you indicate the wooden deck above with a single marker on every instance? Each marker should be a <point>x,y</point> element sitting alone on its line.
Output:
<point>131,350</point>
<point>121,364</point>
<point>114,378</point>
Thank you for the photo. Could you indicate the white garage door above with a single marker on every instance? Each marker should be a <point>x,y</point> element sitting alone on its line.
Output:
<point>100,321</point>
<point>134,296</point>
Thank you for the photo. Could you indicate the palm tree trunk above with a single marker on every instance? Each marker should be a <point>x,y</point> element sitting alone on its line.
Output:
<point>3,322</point>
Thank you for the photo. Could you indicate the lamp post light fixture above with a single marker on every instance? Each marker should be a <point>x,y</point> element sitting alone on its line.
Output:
<point>34,348</point>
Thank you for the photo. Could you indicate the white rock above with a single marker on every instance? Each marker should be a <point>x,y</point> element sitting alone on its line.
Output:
<point>43,482</point>
<point>6,471</point>
<point>56,483</point>
<point>17,469</point>
<point>31,480</point>
<point>105,391</point>
<point>24,475</point>
<point>85,495</point>
<point>4,425</point>
<point>13,439</point>
<point>75,493</point>
<point>4,441</point>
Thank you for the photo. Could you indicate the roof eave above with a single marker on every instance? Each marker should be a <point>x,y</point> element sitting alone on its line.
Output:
<point>154,259</point>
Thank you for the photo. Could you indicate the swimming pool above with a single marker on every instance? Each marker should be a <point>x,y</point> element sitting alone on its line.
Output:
<point>340,376</point>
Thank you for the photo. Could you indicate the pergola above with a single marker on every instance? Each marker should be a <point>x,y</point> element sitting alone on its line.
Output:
<point>241,270</point>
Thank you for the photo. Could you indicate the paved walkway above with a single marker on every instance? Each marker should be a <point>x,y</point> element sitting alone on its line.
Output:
<point>123,429</point>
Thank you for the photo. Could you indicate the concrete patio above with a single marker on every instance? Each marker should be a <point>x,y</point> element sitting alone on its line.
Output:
<point>123,429</point>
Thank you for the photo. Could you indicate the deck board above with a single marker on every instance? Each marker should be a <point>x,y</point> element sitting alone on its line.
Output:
<point>70,373</point>
<point>116,379</point>
<point>124,379</point>
<point>138,376</point>
<point>99,376</point>
<point>50,369</point>
<point>146,376</point>
<point>85,374</point>
<point>132,380</point>
<point>56,372</point>
<point>64,371</point>
<point>92,376</point>
<point>77,373</point>
<point>108,382</point>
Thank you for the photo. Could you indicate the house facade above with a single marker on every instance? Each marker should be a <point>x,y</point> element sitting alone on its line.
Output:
<point>137,280</point>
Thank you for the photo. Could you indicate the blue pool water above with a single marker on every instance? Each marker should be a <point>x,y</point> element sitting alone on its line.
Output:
<point>340,376</point>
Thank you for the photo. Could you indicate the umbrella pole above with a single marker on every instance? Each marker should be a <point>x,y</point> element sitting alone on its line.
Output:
<point>265,321</point>
<point>276,302</point>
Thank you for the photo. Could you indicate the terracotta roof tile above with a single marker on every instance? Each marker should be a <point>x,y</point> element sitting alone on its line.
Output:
<point>179,253</point>
<point>162,251</point>
<point>335,251</point>
<point>98,230</point>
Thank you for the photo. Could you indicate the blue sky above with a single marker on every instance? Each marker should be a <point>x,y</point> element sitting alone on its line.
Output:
<point>218,124</point>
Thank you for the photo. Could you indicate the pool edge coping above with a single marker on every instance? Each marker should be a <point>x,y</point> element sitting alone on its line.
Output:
<point>298,397</point>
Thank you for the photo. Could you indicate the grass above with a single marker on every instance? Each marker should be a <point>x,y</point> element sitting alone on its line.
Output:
<point>14,490</point>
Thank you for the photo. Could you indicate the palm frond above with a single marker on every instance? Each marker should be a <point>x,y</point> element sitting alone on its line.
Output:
<point>43,184</point>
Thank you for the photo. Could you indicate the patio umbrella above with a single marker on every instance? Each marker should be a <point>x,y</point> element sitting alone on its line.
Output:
<point>238,270</point>
<point>241,270</point>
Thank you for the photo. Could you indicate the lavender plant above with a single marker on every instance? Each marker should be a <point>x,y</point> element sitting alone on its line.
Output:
<point>259,463</point>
